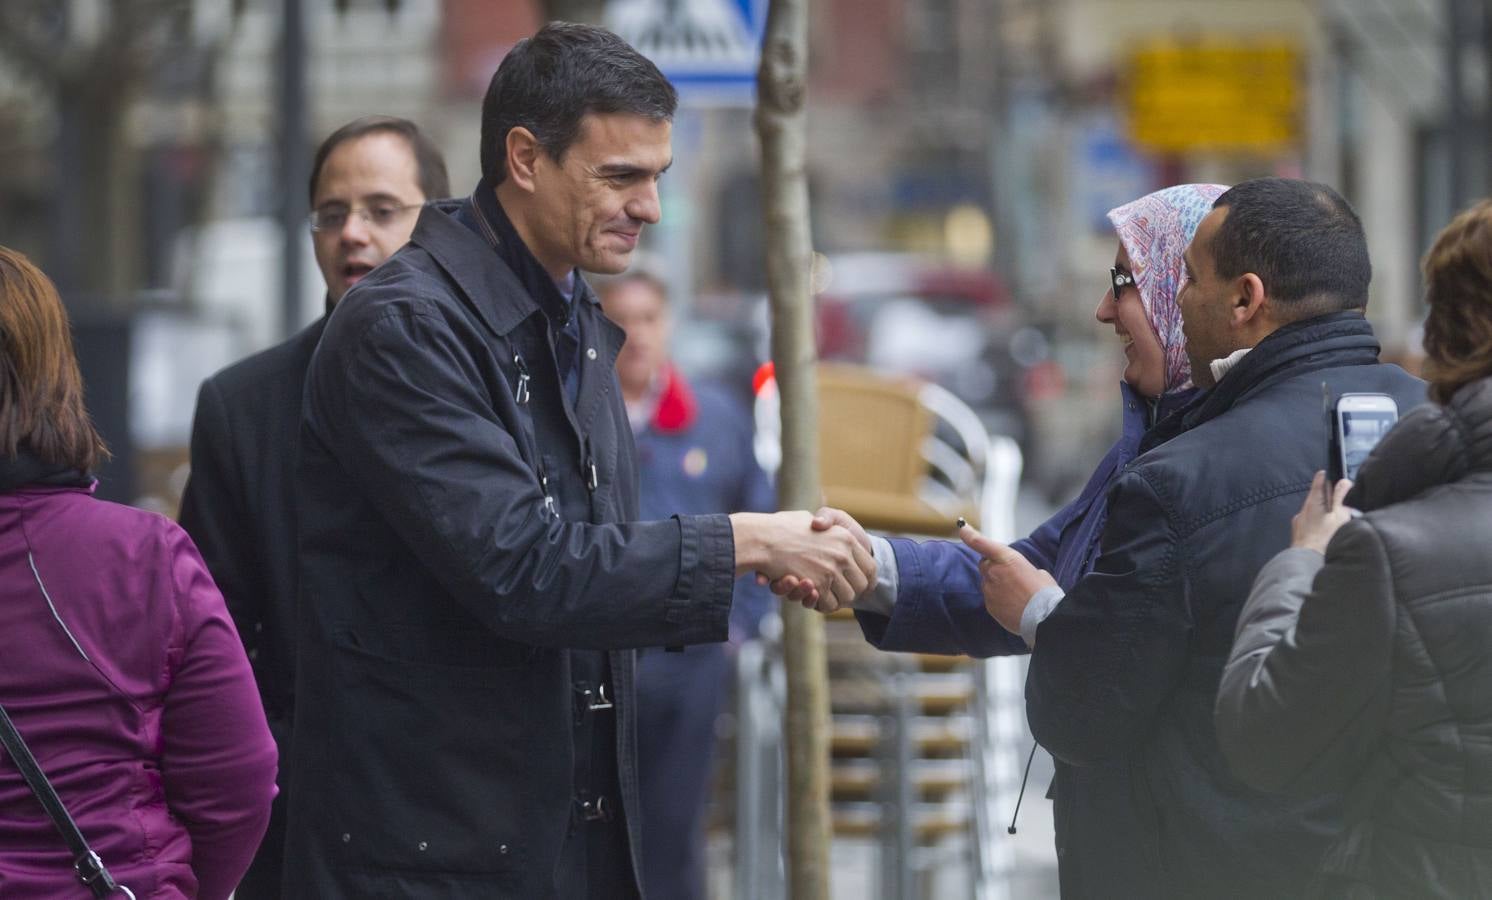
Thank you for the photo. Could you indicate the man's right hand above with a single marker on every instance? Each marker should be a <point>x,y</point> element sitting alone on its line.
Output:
<point>832,562</point>
<point>798,590</point>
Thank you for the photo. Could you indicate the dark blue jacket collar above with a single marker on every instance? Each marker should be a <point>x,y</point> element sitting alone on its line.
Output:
<point>466,256</point>
<point>1335,339</point>
<point>469,261</point>
<point>488,219</point>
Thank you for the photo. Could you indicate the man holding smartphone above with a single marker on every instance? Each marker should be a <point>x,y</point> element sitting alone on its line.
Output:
<point>1126,665</point>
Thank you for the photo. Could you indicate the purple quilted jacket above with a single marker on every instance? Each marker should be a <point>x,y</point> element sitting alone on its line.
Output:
<point>121,669</point>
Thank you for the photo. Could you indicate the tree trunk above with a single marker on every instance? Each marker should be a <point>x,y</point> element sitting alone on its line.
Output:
<point>780,124</point>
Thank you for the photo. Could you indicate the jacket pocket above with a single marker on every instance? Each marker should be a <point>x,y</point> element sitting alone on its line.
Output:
<point>425,627</point>
<point>453,647</point>
<point>430,762</point>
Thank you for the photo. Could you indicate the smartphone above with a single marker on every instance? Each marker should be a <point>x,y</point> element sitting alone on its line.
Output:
<point>1358,423</point>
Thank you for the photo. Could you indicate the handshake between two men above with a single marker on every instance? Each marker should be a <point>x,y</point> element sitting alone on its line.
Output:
<point>827,563</point>
<point>1008,580</point>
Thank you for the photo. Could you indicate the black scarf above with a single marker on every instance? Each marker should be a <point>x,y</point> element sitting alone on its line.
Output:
<point>1335,339</point>
<point>26,469</point>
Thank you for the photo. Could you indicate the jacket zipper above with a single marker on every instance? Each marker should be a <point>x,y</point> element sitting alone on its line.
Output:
<point>521,395</point>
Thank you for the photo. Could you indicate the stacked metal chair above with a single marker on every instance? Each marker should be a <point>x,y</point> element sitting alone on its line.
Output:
<point>925,748</point>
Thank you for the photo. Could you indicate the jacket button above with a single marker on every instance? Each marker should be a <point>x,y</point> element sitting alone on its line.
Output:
<point>503,849</point>
<point>346,838</point>
<point>590,353</point>
<point>423,846</point>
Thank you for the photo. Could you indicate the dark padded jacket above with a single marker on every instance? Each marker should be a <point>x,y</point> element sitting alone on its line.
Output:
<point>1370,670</point>
<point>1127,665</point>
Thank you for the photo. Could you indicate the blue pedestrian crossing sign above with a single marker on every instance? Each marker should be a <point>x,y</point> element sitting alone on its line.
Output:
<point>709,49</point>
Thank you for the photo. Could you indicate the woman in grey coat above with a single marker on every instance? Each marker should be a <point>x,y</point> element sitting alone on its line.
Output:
<point>1363,658</point>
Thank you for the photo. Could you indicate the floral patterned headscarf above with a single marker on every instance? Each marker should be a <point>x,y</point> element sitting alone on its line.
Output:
<point>1155,230</point>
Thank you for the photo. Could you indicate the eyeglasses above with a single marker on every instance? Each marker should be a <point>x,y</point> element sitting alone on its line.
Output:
<point>379,215</point>
<point>1120,279</point>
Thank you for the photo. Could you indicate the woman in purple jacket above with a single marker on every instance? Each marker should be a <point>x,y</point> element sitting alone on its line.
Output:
<point>928,599</point>
<point>119,664</point>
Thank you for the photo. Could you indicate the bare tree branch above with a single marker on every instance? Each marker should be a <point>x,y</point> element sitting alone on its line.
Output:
<point>125,51</point>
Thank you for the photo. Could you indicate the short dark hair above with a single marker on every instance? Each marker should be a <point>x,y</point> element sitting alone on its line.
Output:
<point>1302,239</point>
<point>41,389</point>
<point>549,82</point>
<point>1458,289</point>
<point>428,160</point>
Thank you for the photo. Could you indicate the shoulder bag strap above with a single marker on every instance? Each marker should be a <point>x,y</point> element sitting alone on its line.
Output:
<point>89,868</point>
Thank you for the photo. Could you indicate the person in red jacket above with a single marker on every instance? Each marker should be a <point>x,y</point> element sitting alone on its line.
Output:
<point>694,456</point>
<point>121,668</point>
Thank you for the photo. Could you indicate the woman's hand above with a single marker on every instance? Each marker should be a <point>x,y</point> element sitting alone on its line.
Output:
<point>1007,579</point>
<point>1320,515</point>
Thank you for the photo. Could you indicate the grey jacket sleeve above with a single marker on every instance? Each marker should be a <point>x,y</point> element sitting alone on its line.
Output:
<point>1306,691</point>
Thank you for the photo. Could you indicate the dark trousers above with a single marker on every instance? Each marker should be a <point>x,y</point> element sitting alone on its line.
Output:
<point>678,697</point>
<point>262,880</point>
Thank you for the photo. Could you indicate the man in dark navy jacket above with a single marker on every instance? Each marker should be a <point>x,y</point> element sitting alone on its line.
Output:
<point>368,180</point>
<point>474,576</point>
<point>1126,664</point>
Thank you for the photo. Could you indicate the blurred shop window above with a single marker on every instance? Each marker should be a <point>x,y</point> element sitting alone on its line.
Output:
<point>231,270</point>
<point>141,372</point>
<point>171,352</point>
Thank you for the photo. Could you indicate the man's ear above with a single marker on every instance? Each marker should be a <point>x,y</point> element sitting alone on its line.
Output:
<point>1249,305</point>
<point>522,152</point>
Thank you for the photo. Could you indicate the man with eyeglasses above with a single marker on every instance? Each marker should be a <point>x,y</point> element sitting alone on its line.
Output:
<point>368,180</point>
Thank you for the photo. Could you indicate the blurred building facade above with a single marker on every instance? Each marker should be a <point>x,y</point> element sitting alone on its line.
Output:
<point>140,161</point>
<point>962,155</point>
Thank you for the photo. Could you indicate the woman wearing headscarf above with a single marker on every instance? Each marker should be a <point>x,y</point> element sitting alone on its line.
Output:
<point>928,597</point>
<point>1363,657</point>
<point>119,665</point>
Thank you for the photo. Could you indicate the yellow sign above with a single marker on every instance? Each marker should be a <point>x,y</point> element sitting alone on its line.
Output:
<point>1215,95</point>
